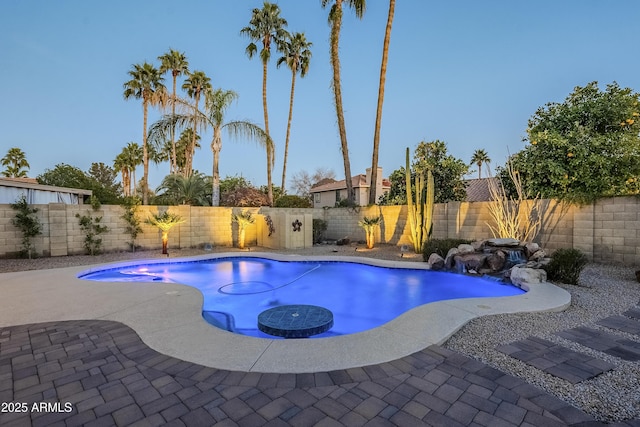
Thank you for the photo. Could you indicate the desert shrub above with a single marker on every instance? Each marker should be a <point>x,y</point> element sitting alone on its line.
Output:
<point>440,246</point>
<point>244,197</point>
<point>319,227</point>
<point>292,201</point>
<point>566,265</point>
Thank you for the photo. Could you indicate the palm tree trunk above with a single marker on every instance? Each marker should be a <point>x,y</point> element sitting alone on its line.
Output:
<point>383,77</point>
<point>190,151</point>
<point>266,129</point>
<point>216,145</point>
<point>337,91</point>
<point>174,159</point>
<point>145,158</point>
<point>479,170</point>
<point>286,143</point>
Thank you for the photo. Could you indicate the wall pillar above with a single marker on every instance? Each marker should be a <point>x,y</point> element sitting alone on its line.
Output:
<point>58,229</point>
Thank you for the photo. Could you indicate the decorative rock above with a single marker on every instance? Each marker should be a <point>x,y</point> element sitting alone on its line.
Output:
<point>531,248</point>
<point>465,249</point>
<point>497,260</point>
<point>478,245</point>
<point>537,255</point>
<point>525,275</point>
<point>448,260</point>
<point>469,261</point>
<point>503,242</point>
<point>436,261</point>
<point>344,241</point>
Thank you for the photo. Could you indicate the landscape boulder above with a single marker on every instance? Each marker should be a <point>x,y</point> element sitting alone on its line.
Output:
<point>436,261</point>
<point>497,260</point>
<point>525,275</point>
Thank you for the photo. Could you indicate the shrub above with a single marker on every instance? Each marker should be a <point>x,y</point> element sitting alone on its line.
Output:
<point>566,265</point>
<point>319,227</point>
<point>440,246</point>
<point>28,223</point>
<point>92,228</point>
<point>292,201</point>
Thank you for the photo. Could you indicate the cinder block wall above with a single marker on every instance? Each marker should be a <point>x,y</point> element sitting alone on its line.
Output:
<point>607,231</point>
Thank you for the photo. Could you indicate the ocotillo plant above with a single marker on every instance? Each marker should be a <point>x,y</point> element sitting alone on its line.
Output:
<point>420,213</point>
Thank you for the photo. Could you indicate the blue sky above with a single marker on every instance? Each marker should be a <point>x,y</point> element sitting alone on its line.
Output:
<point>466,72</point>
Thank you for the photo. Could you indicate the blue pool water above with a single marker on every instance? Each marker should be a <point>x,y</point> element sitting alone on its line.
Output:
<point>237,289</point>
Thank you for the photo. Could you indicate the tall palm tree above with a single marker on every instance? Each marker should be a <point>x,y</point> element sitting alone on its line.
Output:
<point>177,63</point>
<point>296,54</point>
<point>335,20</point>
<point>479,158</point>
<point>120,164</point>
<point>266,26</point>
<point>134,156</point>
<point>145,84</point>
<point>216,103</point>
<point>15,162</point>
<point>383,77</point>
<point>195,85</point>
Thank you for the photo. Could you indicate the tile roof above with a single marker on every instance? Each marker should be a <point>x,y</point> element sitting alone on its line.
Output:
<point>478,189</point>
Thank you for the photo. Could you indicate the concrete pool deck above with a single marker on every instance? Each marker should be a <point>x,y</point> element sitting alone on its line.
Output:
<point>167,317</point>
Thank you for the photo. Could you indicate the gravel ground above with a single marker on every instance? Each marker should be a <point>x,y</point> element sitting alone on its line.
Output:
<point>604,290</point>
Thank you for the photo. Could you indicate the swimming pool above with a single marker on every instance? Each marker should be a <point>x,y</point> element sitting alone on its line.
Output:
<point>361,296</point>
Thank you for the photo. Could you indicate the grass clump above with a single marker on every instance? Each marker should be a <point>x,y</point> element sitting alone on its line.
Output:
<point>440,246</point>
<point>566,265</point>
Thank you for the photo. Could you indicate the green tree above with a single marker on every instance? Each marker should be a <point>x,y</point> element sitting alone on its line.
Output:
<point>15,163</point>
<point>63,175</point>
<point>479,158</point>
<point>296,54</point>
<point>383,77</point>
<point>447,170</point>
<point>177,63</point>
<point>197,84</point>
<point>266,26</point>
<point>145,84</point>
<point>584,148</point>
<point>102,179</point>
<point>335,20</point>
<point>447,173</point>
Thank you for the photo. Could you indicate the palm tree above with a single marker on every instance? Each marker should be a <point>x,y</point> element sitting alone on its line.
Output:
<point>179,190</point>
<point>335,20</point>
<point>216,103</point>
<point>296,54</point>
<point>244,219</point>
<point>15,161</point>
<point>265,26</point>
<point>479,157</point>
<point>165,222</point>
<point>120,164</point>
<point>383,77</point>
<point>134,156</point>
<point>195,85</point>
<point>177,63</point>
<point>145,84</point>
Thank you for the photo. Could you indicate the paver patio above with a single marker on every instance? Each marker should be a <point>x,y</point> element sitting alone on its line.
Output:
<point>110,377</point>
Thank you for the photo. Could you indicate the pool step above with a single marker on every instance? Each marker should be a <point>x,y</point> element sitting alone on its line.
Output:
<point>555,359</point>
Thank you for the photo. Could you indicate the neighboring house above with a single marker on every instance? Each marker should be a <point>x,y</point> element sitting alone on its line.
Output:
<point>37,194</point>
<point>478,189</point>
<point>328,194</point>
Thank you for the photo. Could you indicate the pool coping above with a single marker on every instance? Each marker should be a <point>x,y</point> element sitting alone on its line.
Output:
<point>167,317</point>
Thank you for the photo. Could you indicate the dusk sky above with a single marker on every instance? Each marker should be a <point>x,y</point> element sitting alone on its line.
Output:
<point>469,73</point>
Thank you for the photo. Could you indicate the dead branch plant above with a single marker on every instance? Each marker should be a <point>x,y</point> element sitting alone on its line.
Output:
<point>514,217</point>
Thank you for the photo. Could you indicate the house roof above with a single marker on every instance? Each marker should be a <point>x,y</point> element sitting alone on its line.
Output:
<point>32,183</point>
<point>478,189</point>
<point>357,181</point>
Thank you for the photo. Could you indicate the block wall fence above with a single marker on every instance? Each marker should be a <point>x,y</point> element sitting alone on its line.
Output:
<point>606,231</point>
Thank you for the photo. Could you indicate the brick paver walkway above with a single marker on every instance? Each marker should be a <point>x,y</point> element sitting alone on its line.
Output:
<point>100,373</point>
<point>605,342</point>
<point>555,359</point>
